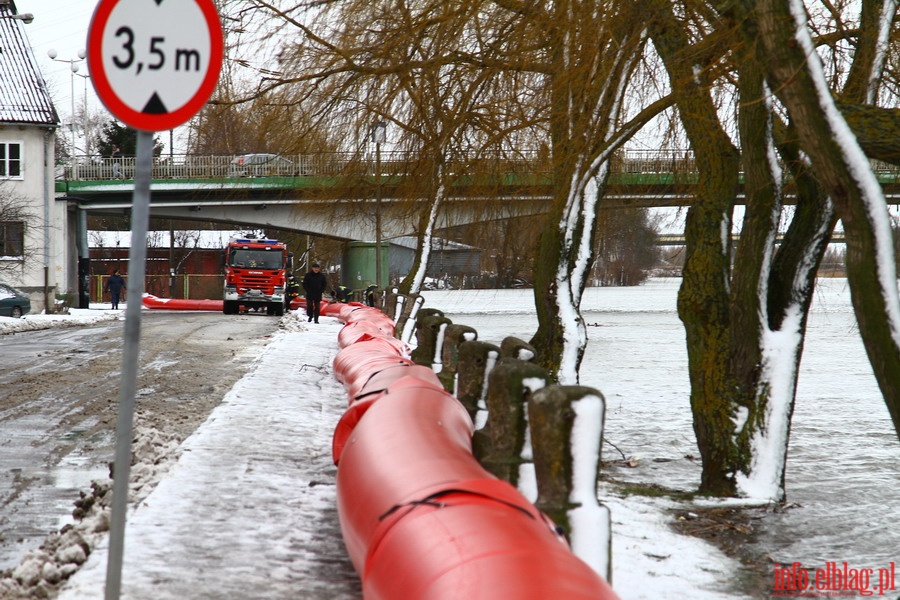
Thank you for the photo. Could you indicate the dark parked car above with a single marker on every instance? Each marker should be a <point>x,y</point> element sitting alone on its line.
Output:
<point>13,303</point>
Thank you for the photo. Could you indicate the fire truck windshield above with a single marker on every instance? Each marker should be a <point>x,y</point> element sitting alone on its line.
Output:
<point>256,259</point>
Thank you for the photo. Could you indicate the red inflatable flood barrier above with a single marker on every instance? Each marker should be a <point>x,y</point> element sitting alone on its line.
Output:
<point>155,302</point>
<point>420,517</point>
<point>151,301</point>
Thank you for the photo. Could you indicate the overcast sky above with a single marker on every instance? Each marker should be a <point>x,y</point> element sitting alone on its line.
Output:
<point>61,25</point>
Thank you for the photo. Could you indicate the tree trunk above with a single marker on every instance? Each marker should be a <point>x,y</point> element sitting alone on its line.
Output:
<point>412,283</point>
<point>563,262</point>
<point>592,53</point>
<point>771,291</point>
<point>844,171</point>
<point>703,300</point>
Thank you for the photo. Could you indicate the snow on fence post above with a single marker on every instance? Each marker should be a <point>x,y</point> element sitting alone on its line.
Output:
<point>454,335</point>
<point>508,453</point>
<point>513,347</point>
<point>476,359</point>
<point>428,331</point>
<point>567,434</point>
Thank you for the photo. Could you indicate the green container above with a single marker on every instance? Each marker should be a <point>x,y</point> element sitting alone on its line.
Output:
<point>358,270</point>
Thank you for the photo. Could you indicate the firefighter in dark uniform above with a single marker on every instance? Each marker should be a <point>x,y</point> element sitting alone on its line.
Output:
<point>291,291</point>
<point>342,293</point>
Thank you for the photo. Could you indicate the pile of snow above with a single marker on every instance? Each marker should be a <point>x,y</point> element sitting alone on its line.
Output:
<point>42,571</point>
<point>75,317</point>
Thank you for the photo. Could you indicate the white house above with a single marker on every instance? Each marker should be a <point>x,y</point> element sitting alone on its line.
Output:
<point>33,234</point>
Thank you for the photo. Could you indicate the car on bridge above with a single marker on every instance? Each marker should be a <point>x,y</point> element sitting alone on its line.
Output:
<point>13,303</point>
<point>262,165</point>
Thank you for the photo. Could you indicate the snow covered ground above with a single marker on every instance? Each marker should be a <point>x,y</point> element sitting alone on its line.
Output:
<point>242,512</point>
<point>76,317</point>
<point>842,462</point>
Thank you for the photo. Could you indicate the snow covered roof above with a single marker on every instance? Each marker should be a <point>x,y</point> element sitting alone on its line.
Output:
<point>24,98</point>
<point>409,241</point>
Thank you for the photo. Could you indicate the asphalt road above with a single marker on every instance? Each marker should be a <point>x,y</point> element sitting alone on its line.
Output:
<point>59,393</point>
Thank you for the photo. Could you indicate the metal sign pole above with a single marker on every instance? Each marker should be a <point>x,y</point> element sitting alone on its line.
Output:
<point>137,259</point>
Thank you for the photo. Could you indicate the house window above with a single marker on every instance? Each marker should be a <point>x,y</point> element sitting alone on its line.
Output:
<point>10,160</point>
<point>12,237</point>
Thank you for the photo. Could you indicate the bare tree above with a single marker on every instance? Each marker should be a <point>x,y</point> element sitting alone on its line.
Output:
<point>16,218</point>
<point>461,80</point>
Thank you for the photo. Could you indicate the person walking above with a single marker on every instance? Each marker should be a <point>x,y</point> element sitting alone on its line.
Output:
<point>314,284</point>
<point>114,285</point>
<point>117,163</point>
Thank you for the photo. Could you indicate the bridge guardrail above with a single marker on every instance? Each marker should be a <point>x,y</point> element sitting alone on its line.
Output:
<point>393,163</point>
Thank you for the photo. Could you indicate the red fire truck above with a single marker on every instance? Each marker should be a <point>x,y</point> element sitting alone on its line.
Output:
<point>255,275</point>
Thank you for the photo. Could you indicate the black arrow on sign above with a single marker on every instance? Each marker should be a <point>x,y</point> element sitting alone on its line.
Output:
<point>155,106</point>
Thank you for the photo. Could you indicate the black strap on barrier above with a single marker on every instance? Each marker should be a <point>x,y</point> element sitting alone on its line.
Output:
<point>430,501</point>
<point>369,378</point>
<point>361,396</point>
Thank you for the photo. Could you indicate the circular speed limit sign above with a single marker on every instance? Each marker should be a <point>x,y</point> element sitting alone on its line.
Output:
<point>154,63</point>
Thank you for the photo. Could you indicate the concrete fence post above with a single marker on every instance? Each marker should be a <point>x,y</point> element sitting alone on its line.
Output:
<point>454,335</point>
<point>428,312</point>
<point>476,360</point>
<point>374,297</point>
<point>504,448</point>
<point>513,347</point>
<point>429,331</point>
<point>389,302</point>
<point>407,307</point>
<point>566,435</point>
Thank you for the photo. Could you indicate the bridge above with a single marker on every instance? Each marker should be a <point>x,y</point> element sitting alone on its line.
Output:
<point>338,194</point>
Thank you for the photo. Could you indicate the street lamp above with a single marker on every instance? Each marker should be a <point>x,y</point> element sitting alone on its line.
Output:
<point>73,65</point>
<point>24,17</point>
<point>379,135</point>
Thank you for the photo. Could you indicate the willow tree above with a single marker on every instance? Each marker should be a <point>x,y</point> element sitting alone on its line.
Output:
<point>426,69</point>
<point>744,309</point>
<point>584,53</point>
<point>445,101</point>
<point>842,166</point>
<point>459,78</point>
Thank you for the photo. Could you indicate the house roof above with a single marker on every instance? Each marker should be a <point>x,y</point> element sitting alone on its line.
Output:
<point>409,241</point>
<point>24,98</point>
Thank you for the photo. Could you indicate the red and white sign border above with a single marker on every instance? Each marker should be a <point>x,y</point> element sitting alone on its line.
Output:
<point>137,119</point>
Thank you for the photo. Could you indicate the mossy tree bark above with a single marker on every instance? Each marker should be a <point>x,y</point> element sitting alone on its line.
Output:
<point>703,300</point>
<point>734,298</point>
<point>844,171</point>
<point>592,51</point>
